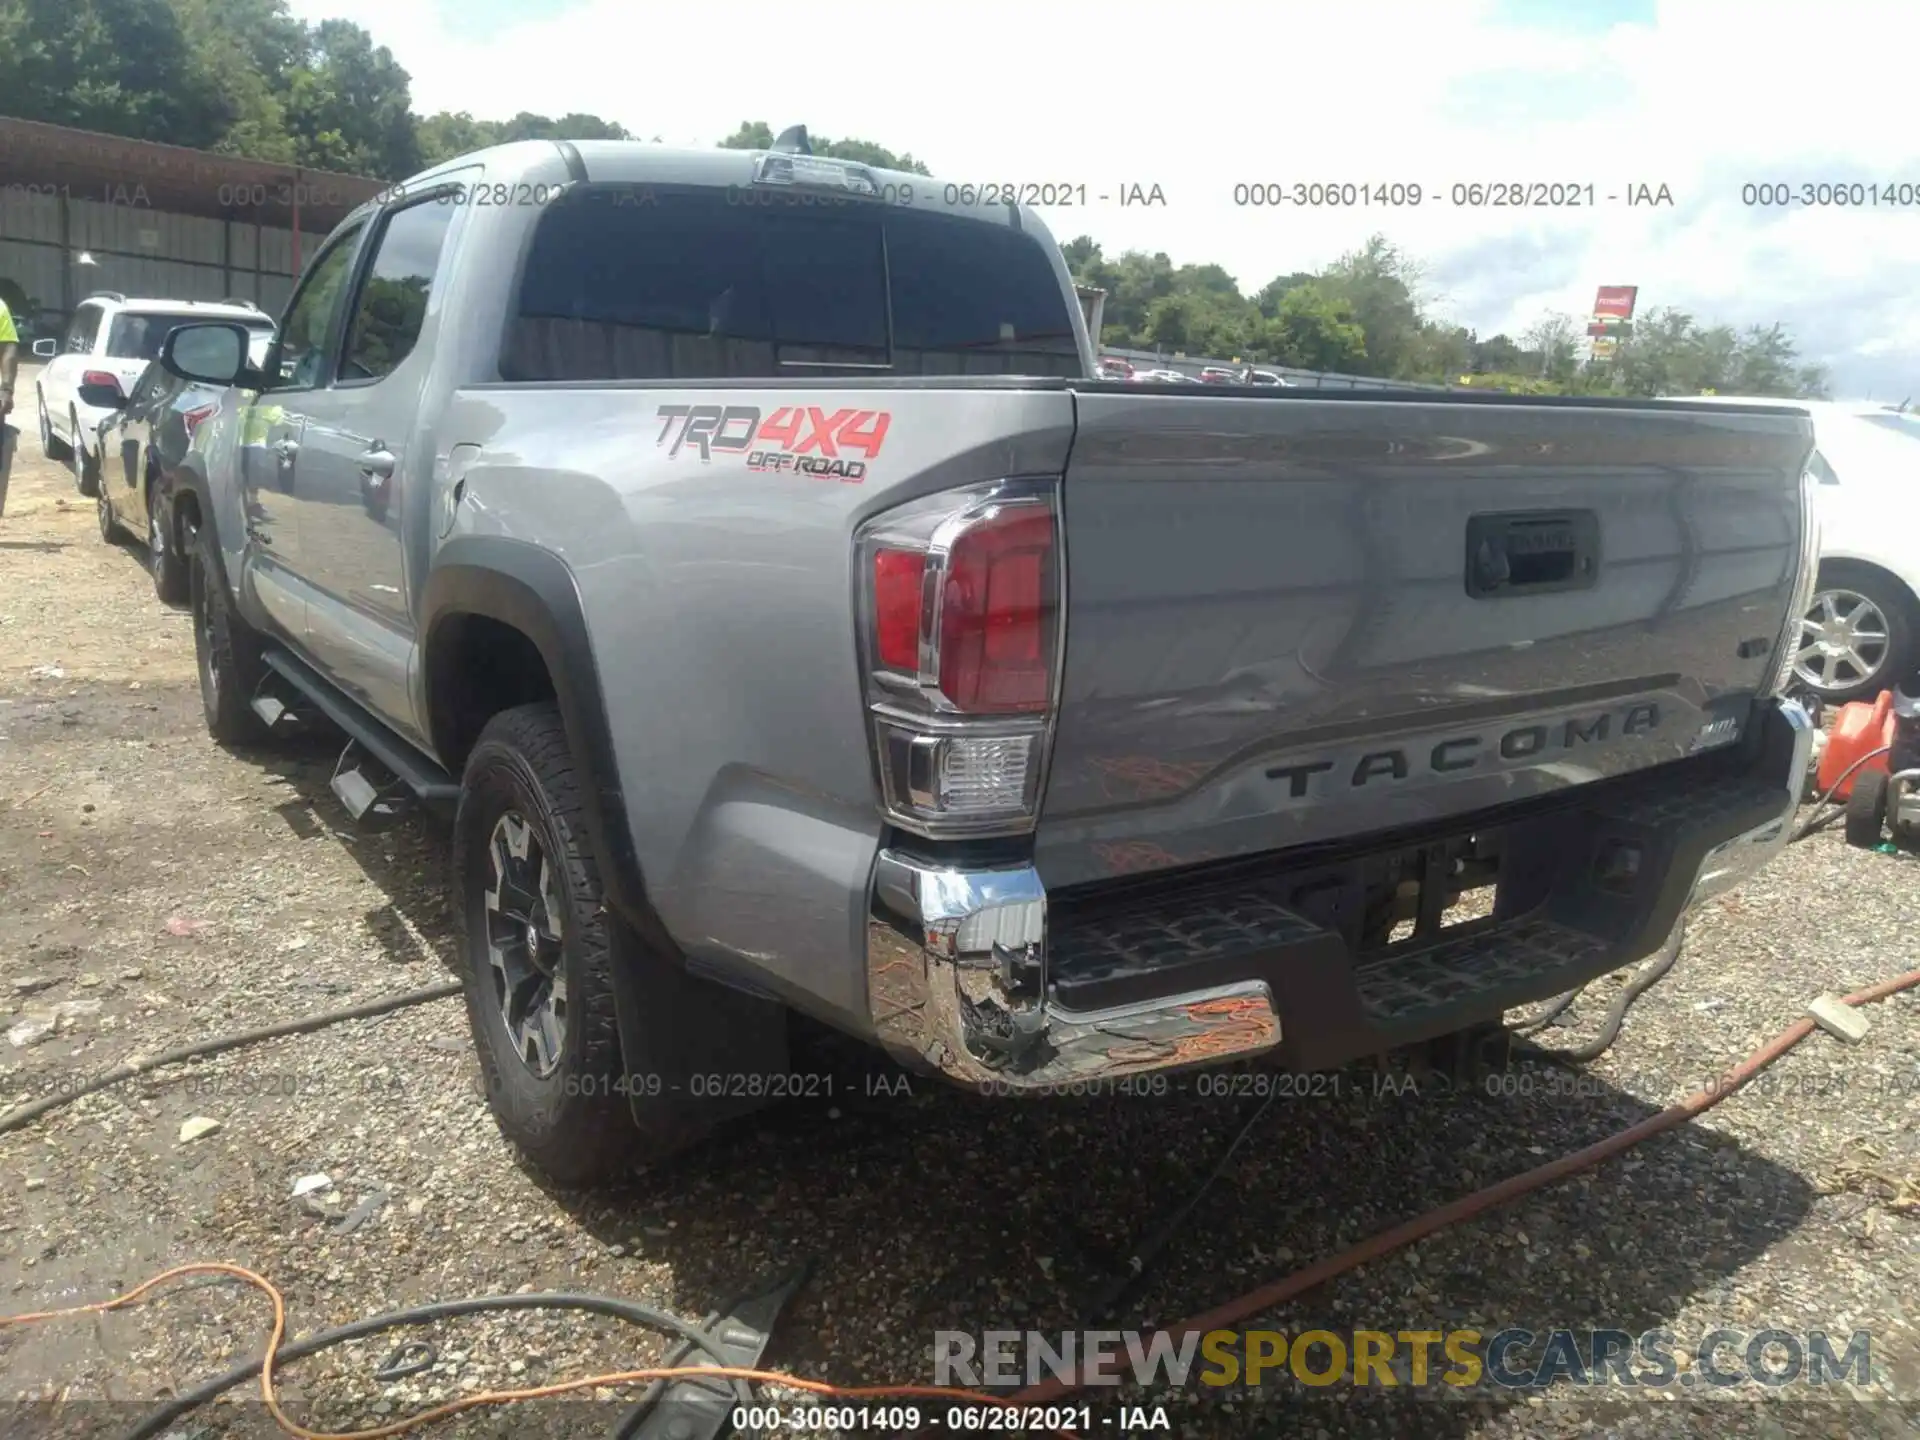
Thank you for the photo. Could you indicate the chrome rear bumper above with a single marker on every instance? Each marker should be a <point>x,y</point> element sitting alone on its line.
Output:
<point>955,977</point>
<point>957,968</point>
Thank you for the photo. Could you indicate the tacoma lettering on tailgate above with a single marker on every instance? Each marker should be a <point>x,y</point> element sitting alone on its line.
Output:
<point>804,439</point>
<point>1387,764</point>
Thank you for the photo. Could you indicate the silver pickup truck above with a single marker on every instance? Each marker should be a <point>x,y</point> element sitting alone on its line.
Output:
<point>737,544</point>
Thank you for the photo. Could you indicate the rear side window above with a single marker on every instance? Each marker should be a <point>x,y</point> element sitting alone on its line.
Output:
<point>138,335</point>
<point>658,284</point>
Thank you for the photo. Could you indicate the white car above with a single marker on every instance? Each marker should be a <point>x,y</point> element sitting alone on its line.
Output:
<point>107,345</point>
<point>1860,633</point>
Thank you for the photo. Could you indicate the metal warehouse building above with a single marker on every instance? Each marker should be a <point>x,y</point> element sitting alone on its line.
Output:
<point>82,212</point>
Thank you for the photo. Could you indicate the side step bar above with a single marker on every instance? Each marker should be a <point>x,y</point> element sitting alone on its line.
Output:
<point>403,766</point>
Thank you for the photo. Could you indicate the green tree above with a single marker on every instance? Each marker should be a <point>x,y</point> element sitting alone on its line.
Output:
<point>1381,284</point>
<point>1552,347</point>
<point>445,135</point>
<point>120,66</point>
<point>1496,356</point>
<point>1267,302</point>
<point>1316,329</point>
<point>348,106</point>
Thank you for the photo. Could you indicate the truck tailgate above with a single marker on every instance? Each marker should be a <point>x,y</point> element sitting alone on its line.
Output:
<point>1295,619</point>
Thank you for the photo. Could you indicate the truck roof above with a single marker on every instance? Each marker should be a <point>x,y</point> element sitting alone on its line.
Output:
<point>641,162</point>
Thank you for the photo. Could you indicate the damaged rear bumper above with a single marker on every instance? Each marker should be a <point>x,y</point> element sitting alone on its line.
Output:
<point>979,976</point>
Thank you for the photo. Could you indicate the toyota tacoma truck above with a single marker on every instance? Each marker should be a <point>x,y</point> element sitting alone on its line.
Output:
<point>740,546</point>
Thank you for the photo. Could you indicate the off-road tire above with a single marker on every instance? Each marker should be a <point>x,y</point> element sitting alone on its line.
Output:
<point>578,1124</point>
<point>51,445</point>
<point>103,513</point>
<point>1867,809</point>
<point>227,652</point>
<point>172,570</point>
<point>86,468</point>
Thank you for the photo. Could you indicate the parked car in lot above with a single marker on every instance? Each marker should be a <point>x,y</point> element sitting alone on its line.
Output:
<point>1218,375</point>
<point>1112,367</point>
<point>141,443</point>
<point>735,632</point>
<point>1862,627</point>
<point>108,343</point>
<point>1266,377</point>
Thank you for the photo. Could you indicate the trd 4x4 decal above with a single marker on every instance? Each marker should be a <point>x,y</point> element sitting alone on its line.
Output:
<point>804,439</point>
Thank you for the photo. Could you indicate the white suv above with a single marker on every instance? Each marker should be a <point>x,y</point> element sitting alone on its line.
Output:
<point>109,341</point>
<point>1861,632</point>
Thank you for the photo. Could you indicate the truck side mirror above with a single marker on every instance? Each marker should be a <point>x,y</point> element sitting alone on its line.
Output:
<point>210,353</point>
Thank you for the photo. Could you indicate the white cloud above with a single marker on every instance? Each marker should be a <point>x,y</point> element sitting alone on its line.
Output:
<point>1703,98</point>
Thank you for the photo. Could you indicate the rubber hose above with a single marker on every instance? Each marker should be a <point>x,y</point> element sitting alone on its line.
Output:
<point>1546,1017</point>
<point>158,1420</point>
<point>1467,1207</point>
<point>1652,975</point>
<point>1827,799</point>
<point>26,1114</point>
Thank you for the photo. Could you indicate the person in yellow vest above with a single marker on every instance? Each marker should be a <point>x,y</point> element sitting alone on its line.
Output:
<point>259,421</point>
<point>9,359</point>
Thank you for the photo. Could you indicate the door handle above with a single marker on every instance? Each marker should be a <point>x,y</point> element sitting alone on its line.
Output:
<point>377,462</point>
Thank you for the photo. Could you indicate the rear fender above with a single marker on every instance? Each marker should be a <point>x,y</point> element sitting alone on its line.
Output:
<point>671,1023</point>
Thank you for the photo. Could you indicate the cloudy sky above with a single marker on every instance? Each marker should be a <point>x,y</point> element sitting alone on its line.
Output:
<point>1197,98</point>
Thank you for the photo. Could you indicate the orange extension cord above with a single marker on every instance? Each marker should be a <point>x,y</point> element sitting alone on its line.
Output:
<point>1254,1303</point>
<point>493,1397</point>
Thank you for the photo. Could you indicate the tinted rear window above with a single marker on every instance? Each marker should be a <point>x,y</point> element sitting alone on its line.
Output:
<point>137,335</point>
<point>631,283</point>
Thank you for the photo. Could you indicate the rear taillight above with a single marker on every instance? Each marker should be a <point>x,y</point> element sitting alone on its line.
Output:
<point>192,418</point>
<point>963,613</point>
<point>103,377</point>
<point>997,615</point>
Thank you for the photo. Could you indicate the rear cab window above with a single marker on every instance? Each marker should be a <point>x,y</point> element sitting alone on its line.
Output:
<point>642,282</point>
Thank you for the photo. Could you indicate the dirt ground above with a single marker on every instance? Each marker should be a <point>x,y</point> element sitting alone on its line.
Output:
<point>164,890</point>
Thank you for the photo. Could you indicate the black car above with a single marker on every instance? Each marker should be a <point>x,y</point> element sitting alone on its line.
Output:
<point>141,446</point>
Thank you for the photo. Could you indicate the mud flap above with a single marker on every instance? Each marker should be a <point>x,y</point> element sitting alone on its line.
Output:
<point>696,1053</point>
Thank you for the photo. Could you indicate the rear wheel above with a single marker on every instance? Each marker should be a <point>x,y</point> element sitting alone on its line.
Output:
<point>86,468</point>
<point>538,950</point>
<point>228,652</point>
<point>1867,809</point>
<point>51,445</point>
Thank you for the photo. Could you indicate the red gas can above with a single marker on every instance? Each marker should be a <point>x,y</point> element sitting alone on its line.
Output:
<point>1859,729</point>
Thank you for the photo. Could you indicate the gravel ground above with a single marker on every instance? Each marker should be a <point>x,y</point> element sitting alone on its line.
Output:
<point>173,891</point>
